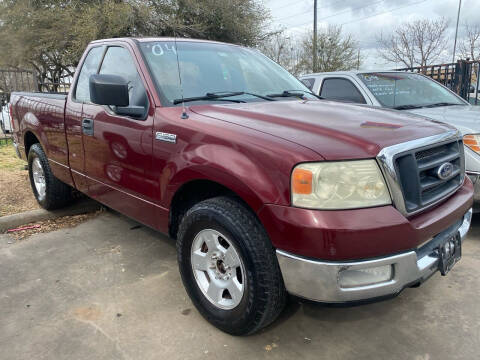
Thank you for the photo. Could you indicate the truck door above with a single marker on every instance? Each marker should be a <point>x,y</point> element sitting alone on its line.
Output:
<point>73,116</point>
<point>118,149</point>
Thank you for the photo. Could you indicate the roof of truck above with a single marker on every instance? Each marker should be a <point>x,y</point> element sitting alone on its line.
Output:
<point>351,72</point>
<point>146,39</point>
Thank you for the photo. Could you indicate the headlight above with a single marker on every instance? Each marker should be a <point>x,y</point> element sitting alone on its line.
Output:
<point>339,185</point>
<point>473,142</point>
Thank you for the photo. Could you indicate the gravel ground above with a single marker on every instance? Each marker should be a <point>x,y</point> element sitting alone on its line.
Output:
<point>109,288</point>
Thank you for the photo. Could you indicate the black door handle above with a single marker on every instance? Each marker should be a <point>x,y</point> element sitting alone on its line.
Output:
<point>87,127</point>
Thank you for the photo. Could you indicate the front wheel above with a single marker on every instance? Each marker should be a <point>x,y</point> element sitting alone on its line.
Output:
<point>50,192</point>
<point>229,267</point>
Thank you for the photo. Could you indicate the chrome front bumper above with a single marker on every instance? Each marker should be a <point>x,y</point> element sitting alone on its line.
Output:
<point>319,280</point>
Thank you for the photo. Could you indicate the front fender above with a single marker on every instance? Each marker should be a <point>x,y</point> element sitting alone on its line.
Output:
<point>251,178</point>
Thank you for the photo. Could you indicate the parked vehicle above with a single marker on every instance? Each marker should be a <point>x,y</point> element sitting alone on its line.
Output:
<point>474,97</point>
<point>414,93</point>
<point>266,189</point>
<point>5,122</point>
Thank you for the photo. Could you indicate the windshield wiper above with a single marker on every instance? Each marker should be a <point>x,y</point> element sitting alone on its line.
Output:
<point>294,93</point>
<point>258,95</point>
<point>442,104</point>
<point>408,107</point>
<point>221,95</point>
<point>212,96</point>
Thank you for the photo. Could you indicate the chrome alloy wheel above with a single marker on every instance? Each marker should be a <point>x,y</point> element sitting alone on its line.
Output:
<point>218,269</point>
<point>39,178</point>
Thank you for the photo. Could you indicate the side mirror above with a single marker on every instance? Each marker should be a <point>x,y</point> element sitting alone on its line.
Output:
<point>108,90</point>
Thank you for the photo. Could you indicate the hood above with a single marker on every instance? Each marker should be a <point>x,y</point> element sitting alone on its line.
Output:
<point>334,130</point>
<point>464,118</point>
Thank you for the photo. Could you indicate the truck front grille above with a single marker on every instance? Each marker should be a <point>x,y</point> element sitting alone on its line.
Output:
<point>418,173</point>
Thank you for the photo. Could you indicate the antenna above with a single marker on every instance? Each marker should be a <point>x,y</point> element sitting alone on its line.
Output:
<point>184,111</point>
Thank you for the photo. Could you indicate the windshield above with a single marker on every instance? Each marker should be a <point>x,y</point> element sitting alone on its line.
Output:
<point>397,90</point>
<point>216,68</point>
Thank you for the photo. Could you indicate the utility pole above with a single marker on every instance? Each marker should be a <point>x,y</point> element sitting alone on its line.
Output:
<point>315,54</point>
<point>456,30</point>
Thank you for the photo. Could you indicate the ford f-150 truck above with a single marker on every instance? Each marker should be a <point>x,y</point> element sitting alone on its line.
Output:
<point>267,189</point>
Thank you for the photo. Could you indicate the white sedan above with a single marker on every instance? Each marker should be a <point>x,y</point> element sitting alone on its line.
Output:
<point>5,121</point>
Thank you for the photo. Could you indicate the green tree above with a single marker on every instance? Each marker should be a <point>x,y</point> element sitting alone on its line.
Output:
<point>336,51</point>
<point>33,35</point>
<point>233,21</point>
<point>102,20</point>
<point>49,36</point>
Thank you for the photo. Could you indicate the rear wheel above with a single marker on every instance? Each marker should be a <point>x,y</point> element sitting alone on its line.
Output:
<point>50,192</point>
<point>229,267</point>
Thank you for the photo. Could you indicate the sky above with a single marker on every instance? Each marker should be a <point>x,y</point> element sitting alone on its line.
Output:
<point>365,20</point>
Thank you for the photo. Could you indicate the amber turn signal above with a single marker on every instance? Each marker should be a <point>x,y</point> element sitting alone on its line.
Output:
<point>473,142</point>
<point>302,181</point>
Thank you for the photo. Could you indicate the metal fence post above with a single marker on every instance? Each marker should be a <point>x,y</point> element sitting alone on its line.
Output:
<point>478,83</point>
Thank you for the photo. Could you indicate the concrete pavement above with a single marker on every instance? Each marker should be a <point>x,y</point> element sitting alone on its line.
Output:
<point>110,289</point>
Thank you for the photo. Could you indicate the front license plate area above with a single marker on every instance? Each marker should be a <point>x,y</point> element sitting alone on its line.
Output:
<point>449,253</point>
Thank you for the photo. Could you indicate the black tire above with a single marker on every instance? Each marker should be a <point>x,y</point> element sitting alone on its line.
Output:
<point>264,295</point>
<point>57,193</point>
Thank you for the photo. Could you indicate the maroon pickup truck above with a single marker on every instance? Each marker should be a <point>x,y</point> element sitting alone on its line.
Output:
<point>267,189</point>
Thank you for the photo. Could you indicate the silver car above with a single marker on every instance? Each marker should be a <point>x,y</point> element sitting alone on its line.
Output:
<point>407,92</point>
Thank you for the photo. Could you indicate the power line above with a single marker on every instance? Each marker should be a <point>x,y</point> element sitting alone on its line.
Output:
<point>335,14</point>
<point>307,11</point>
<point>364,18</point>
<point>384,12</point>
<point>288,5</point>
<point>300,1</point>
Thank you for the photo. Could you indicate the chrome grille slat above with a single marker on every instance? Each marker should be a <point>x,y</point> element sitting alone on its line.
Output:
<point>425,165</point>
<point>429,152</point>
<point>410,170</point>
<point>432,182</point>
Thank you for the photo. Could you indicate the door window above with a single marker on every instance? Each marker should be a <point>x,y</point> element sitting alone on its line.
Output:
<point>118,61</point>
<point>89,67</point>
<point>341,89</point>
<point>308,82</point>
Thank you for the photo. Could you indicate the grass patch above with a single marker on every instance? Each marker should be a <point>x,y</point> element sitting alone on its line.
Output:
<point>9,160</point>
<point>15,192</point>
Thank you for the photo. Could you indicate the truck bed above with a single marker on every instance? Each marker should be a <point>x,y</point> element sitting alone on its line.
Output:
<point>43,114</point>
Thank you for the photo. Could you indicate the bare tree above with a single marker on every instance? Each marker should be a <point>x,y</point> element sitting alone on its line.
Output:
<point>336,51</point>
<point>277,47</point>
<point>416,43</point>
<point>470,46</point>
<point>284,50</point>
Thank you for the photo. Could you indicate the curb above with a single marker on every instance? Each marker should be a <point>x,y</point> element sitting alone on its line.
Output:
<point>79,207</point>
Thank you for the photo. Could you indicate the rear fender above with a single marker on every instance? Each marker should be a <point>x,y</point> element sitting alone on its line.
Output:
<point>30,123</point>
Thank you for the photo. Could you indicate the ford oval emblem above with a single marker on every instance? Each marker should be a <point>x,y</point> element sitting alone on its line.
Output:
<point>445,171</point>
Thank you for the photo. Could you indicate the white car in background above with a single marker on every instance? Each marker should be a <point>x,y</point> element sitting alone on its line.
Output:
<point>5,120</point>
<point>474,92</point>
<point>410,92</point>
